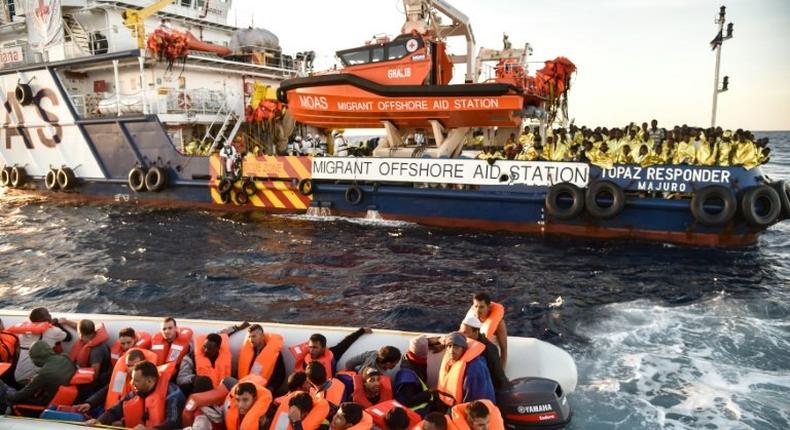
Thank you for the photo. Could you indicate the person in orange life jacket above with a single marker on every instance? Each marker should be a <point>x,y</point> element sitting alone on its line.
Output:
<point>348,415</point>
<point>321,387</point>
<point>435,421</point>
<point>386,358</point>
<point>245,396</point>
<point>470,327</point>
<point>172,343</point>
<point>145,380</point>
<point>299,406</point>
<point>209,417</point>
<point>396,419</point>
<point>127,339</point>
<point>371,389</point>
<point>476,383</point>
<point>477,416</point>
<point>9,353</point>
<point>409,387</point>
<point>98,398</point>
<point>51,331</point>
<point>98,360</point>
<point>211,348</point>
<point>484,308</point>
<point>317,351</point>
<point>54,370</point>
<point>277,378</point>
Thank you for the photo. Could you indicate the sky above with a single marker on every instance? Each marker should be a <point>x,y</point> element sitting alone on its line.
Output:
<point>636,59</point>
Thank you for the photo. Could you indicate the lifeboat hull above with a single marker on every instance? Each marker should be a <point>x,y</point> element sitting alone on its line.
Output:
<point>352,102</point>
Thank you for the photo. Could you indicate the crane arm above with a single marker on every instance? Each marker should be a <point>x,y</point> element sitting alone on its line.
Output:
<point>134,19</point>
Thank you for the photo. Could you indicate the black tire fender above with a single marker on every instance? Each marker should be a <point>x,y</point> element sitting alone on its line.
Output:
<point>704,196</point>
<point>136,179</point>
<point>783,189</point>
<point>18,176</point>
<point>225,185</point>
<point>51,180</point>
<point>242,198</point>
<point>23,94</point>
<point>155,179</point>
<point>604,212</point>
<point>564,189</point>
<point>5,176</point>
<point>66,178</point>
<point>305,186</point>
<point>354,195</point>
<point>751,201</point>
<point>224,198</point>
<point>249,187</point>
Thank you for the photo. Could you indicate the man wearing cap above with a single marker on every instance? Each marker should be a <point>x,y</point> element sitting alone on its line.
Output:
<point>409,386</point>
<point>470,327</point>
<point>464,375</point>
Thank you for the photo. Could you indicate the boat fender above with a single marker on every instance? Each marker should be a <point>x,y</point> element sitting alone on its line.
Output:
<point>23,94</point>
<point>717,193</point>
<point>224,198</point>
<point>136,179</point>
<point>783,189</point>
<point>155,179</point>
<point>761,205</point>
<point>354,195</point>
<point>5,176</point>
<point>18,176</point>
<point>51,180</point>
<point>560,191</point>
<point>66,178</point>
<point>249,187</point>
<point>305,187</point>
<point>595,208</point>
<point>242,198</point>
<point>225,185</point>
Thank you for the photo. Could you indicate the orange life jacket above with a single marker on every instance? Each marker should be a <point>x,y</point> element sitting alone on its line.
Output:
<point>214,397</point>
<point>366,423</point>
<point>302,356</point>
<point>379,412</point>
<point>167,352</point>
<point>120,379</point>
<point>250,421</point>
<point>312,421</point>
<point>153,407</point>
<point>28,327</point>
<point>359,395</point>
<point>9,347</point>
<point>222,365</point>
<point>490,323</point>
<point>495,422</point>
<point>333,393</point>
<point>451,375</point>
<point>80,352</point>
<point>262,364</point>
<point>143,342</point>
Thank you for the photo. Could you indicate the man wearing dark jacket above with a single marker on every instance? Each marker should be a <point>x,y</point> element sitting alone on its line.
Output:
<point>56,370</point>
<point>470,327</point>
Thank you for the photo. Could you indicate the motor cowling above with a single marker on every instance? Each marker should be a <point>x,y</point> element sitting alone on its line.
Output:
<point>534,403</point>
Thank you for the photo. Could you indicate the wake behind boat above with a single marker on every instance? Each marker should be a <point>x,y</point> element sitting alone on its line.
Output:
<point>534,366</point>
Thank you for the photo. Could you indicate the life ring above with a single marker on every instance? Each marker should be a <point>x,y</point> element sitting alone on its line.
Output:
<point>184,101</point>
<point>761,205</point>
<point>225,185</point>
<point>51,180</point>
<point>305,186</point>
<point>242,198</point>
<point>5,176</point>
<point>783,189</point>
<point>249,187</point>
<point>23,94</point>
<point>66,178</point>
<point>354,195</point>
<point>155,179</point>
<point>136,179</point>
<point>224,198</point>
<point>558,191</point>
<point>18,176</point>
<point>713,193</point>
<point>599,211</point>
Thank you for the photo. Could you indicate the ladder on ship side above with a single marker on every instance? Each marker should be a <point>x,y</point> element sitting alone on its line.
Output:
<point>231,122</point>
<point>77,33</point>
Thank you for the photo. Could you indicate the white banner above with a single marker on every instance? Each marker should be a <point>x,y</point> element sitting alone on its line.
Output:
<point>44,24</point>
<point>450,171</point>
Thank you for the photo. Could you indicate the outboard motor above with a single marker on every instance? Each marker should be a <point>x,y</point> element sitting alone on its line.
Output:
<point>534,403</point>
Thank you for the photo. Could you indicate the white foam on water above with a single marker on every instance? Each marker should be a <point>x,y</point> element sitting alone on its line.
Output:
<point>706,365</point>
<point>378,222</point>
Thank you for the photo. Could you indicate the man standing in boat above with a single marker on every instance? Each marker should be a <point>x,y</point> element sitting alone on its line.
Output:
<point>492,319</point>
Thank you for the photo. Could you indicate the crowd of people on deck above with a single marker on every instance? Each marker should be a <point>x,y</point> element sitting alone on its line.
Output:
<point>632,144</point>
<point>177,379</point>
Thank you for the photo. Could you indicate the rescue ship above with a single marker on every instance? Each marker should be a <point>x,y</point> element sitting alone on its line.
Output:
<point>542,377</point>
<point>101,113</point>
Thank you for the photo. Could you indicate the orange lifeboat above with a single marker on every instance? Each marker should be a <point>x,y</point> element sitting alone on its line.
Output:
<point>406,82</point>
